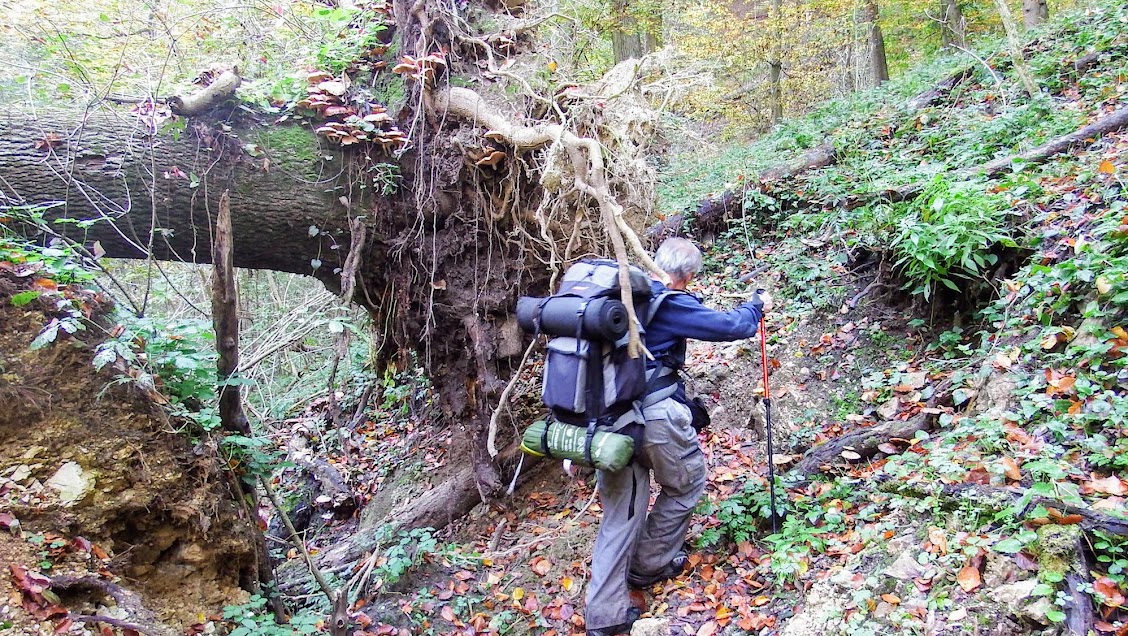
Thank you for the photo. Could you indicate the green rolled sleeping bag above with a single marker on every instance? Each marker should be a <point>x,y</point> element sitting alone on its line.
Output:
<point>609,451</point>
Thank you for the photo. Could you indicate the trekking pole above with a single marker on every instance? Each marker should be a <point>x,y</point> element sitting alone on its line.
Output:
<point>768,424</point>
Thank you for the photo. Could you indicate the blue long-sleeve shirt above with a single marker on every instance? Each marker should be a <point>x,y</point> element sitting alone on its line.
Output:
<point>682,316</point>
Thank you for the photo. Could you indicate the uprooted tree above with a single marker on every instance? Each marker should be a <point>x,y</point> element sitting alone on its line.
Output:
<point>495,194</point>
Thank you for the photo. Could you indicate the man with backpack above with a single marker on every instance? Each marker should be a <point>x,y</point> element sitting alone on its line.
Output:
<point>635,548</point>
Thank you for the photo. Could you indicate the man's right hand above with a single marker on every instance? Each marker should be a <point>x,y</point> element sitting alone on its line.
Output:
<point>767,300</point>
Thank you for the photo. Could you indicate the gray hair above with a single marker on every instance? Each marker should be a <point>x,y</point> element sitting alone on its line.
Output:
<point>679,258</point>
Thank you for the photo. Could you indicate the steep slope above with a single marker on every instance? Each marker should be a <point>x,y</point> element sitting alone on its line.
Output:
<point>109,509</point>
<point>948,378</point>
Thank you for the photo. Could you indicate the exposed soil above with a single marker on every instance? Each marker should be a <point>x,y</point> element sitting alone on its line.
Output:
<point>156,507</point>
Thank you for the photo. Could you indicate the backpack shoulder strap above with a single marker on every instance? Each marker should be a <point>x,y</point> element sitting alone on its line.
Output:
<point>656,302</point>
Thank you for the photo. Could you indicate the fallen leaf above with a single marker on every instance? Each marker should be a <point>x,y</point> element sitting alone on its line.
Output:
<point>1107,167</point>
<point>892,599</point>
<point>541,566</point>
<point>1103,286</point>
<point>708,629</point>
<point>969,578</point>
<point>937,538</point>
<point>1011,468</point>
<point>1109,590</point>
<point>447,613</point>
<point>1110,485</point>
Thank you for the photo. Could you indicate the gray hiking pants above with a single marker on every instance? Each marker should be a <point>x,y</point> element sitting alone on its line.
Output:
<point>644,543</point>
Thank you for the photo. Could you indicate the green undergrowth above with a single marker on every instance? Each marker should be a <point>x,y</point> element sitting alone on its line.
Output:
<point>1026,389</point>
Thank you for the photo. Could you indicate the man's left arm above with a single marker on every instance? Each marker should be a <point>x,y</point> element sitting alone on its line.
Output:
<point>690,319</point>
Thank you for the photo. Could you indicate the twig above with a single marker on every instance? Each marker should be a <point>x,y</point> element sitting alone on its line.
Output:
<point>298,542</point>
<point>998,80</point>
<point>113,622</point>
<point>495,540</point>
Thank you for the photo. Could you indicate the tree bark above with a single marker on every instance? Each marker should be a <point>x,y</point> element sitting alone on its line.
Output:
<point>775,64</point>
<point>879,64</point>
<point>953,26</point>
<point>626,34</point>
<point>157,192</point>
<point>1034,12</point>
<point>225,318</point>
<point>1015,46</point>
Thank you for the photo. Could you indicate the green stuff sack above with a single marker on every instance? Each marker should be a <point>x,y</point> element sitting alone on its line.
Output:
<point>609,451</point>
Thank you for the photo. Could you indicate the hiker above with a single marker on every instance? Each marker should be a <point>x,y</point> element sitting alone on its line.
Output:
<point>635,548</point>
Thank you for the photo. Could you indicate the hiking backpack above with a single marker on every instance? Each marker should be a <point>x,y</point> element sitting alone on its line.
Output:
<point>589,377</point>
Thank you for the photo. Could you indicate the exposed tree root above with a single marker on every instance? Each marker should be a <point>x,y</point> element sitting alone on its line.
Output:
<point>586,157</point>
<point>140,618</point>
<point>435,509</point>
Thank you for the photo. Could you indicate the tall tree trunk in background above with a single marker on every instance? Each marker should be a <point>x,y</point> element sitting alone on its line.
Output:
<point>775,64</point>
<point>953,26</point>
<point>878,64</point>
<point>626,35</point>
<point>1034,12</point>
<point>1015,45</point>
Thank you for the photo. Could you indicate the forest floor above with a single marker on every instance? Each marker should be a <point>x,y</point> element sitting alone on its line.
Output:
<point>974,406</point>
<point>972,395</point>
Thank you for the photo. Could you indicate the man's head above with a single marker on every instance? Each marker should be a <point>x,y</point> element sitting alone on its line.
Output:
<point>680,259</point>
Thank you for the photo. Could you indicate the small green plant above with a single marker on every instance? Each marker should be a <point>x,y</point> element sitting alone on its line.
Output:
<point>253,619</point>
<point>948,234</point>
<point>178,356</point>
<point>1112,555</point>
<point>349,33</point>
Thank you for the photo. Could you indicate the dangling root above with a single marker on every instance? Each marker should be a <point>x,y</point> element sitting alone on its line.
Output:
<point>586,157</point>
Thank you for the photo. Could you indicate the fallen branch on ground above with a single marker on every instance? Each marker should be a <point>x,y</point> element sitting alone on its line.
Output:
<point>713,211</point>
<point>1113,122</point>
<point>140,618</point>
<point>863,442</point>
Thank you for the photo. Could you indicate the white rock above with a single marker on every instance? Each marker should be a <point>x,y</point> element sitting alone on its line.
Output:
<point>1038,610</point>
<point>651,627</point>
<point>905,567</point>
<point>71,483</point>
<point>1014,595</point>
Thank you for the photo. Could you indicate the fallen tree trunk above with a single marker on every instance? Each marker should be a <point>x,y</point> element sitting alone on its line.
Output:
<point>1113,122</point>
<point>1000,499</point>
<point>154,191</point>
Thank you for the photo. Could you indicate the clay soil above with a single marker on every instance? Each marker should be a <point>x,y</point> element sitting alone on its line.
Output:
<point>160,518</point>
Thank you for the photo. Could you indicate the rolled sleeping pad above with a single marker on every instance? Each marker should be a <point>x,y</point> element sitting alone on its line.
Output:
<point>609,451</point>
<point>602,318</point>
